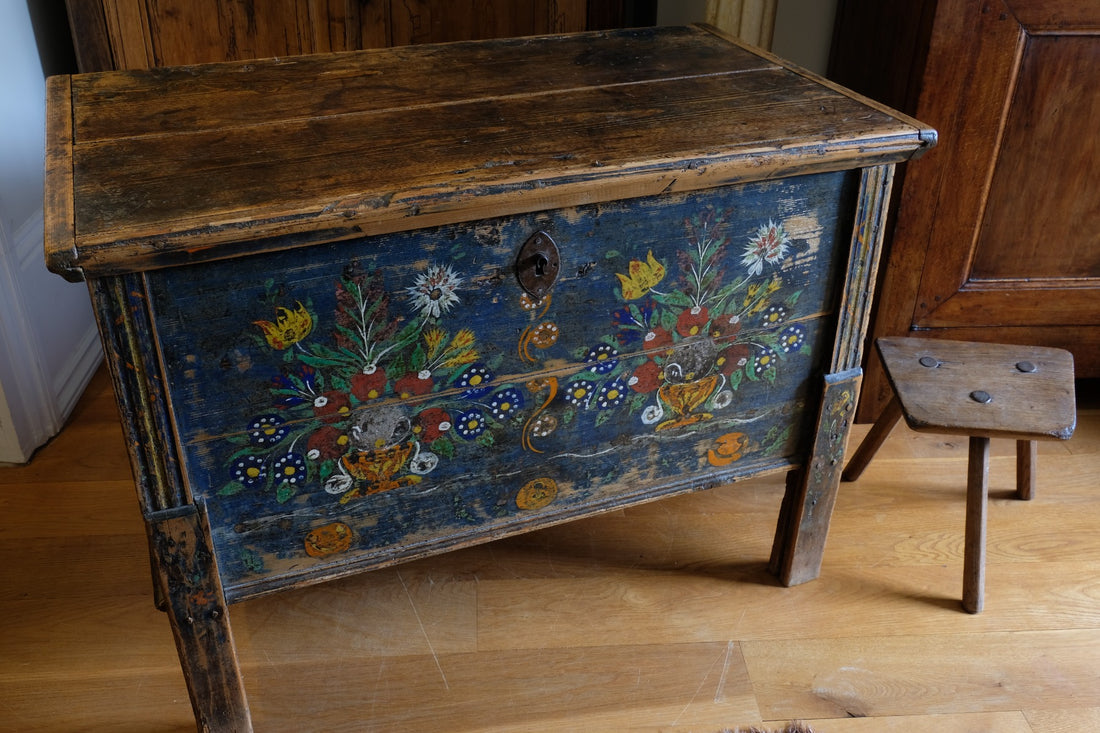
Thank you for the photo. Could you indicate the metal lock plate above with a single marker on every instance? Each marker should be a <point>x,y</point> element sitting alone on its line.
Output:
<point>538,264</point>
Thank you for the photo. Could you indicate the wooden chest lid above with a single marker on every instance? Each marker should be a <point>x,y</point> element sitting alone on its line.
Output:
<point>149,169</point>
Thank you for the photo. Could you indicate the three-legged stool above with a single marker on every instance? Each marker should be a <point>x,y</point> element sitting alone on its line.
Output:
<point>982,391</point>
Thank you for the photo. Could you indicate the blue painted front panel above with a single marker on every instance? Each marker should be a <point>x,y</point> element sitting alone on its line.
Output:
<point>348,403</point>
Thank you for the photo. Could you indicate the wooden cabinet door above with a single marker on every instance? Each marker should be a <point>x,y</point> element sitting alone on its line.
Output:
<point>998,228</point>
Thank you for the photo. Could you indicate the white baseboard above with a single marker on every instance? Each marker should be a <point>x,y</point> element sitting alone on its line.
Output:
<point>69,383</point>
<point>11,450</point>
<point>37,393</point>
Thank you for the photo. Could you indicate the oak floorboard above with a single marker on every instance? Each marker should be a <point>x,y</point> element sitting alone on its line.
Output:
<point>740,605</point>
<point>68,569</point>
<point>1063,721</point>
<point>1009,722</point>
<point>660,617</point>
<point>142,701</point>
<point>105,636</point>
<point>622,687</point>
<point>378,614</point>
<point>873,676</point>
<point>91,508</point>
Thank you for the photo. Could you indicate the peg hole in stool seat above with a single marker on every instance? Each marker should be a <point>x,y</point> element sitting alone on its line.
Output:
<point>983,391</point>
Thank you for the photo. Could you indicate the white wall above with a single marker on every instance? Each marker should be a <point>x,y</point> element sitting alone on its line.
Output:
<point>804,32</point>
<point>803,28</point>
<point>48,344</point>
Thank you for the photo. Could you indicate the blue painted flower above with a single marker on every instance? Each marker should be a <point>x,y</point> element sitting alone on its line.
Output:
<point>249,470</point>
<point>773,315</point>
<point>765,360</point>
<point>297,389</point>
<point>603,358</point>
<point>290,469</point>
<point>579,392</point>
<point>505,403</point>
<point>633,321</point>
<point>476,381</point>
<point>792,338</point>
<point>612,394</point>
<point>623,317</point>
<point>470,424</point>
<point>266,430</point>
<point>629,331</point>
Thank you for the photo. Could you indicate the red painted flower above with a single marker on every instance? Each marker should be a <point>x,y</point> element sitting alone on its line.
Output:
<point>725,326</point>
<point>733,358</point>
<point>692,321</point>
<point>331,406</point>
<point>645,378</point>
<point>432,423</point>
<point>414,384</point>
<point>657,338</point>
<point>369,384</point>
<point>326,443</point>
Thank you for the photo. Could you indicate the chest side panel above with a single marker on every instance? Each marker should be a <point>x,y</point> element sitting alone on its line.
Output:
<point>346,405</point>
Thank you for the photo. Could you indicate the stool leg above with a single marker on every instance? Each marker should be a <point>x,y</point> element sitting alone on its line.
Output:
<point>873,440</point>
<point>1027,452</point>
<point>977,490</point>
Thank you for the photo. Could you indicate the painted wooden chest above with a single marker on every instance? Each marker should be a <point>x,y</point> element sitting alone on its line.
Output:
<point>361,308</point>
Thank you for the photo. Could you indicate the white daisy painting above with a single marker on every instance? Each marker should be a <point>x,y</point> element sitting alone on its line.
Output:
<point>434,292</point>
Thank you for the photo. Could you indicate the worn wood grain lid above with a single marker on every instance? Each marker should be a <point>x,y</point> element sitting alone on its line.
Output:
<point>155,168</point>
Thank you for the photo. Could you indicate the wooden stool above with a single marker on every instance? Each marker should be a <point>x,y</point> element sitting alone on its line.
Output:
<point>982,391</point>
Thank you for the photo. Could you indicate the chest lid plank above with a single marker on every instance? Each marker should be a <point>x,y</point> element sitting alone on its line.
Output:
<point>148,169</point>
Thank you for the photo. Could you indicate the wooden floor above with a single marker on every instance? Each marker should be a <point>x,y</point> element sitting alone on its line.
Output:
<point>655,618</point>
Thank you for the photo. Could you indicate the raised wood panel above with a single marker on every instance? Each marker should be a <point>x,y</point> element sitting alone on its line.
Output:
<point>1044,15</point>
<point>1034,225</point>
<point>438,21</point>
<point>183,31</point>
<point>138,34</point>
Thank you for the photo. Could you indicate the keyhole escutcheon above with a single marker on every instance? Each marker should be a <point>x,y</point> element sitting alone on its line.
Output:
<point>538,264</point>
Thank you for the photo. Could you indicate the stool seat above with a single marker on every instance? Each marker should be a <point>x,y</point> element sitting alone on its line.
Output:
<point>983,391</point>
<point>992,390</point>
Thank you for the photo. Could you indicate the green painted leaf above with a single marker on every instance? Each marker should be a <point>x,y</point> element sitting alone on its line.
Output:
<point>233,487</point>
<point>252,560</point>
<point>735,379</point>
<point>251,450</point>
<point>443,447</point>
<point>677,299</point>
<point>461,511</point>
<point>319,362</point>
<point>284,493</point>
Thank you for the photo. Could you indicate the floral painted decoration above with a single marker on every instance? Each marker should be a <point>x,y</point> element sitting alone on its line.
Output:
<point>317,433</point>
<point>701,335</point>
<point>687,334</point>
